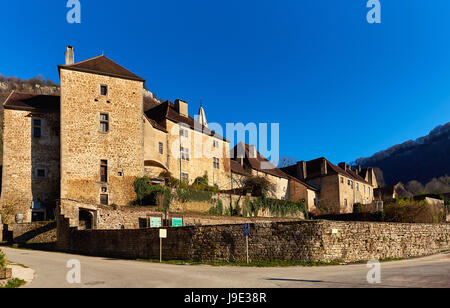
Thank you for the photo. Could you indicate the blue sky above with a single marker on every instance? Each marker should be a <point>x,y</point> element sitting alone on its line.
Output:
<point>338,86</point>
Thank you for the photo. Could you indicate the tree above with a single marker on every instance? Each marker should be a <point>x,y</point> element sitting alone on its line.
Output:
<point>286,161</point>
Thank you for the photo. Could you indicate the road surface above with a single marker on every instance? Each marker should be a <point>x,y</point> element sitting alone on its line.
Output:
<point>97,272</point>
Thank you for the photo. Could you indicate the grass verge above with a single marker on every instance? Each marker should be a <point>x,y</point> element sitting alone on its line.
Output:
<point>13,284</point>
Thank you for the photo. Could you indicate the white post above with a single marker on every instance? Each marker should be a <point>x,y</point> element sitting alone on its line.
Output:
<point>160,250</point>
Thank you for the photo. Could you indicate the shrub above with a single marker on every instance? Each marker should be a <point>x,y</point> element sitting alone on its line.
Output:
<point>411,211</point>
<point>258,186</point>
<point>188,194</point>
<point>280,208</point>
<point>150,194</point>
<point>217,210</point>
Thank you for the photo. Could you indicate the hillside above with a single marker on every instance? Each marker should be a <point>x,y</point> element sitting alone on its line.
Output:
<point>421,160</point>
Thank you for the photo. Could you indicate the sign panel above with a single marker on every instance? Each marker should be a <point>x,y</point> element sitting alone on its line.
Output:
<point>177,222</point>
<point>163,233</point>
<point>155,222</point>
<point>246,229</point>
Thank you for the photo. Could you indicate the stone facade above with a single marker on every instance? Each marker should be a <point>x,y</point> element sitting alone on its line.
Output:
<point>84,145</point>
<point>36,233</point>
<point>339,187</point>
<point>25,156</point>
<point>288,241</point>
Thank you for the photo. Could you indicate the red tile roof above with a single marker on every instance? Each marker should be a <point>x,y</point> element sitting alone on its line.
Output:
<point>31,102</point>
<point>237,168</point>
<point>166,111</point>
<point>259,163</point>
<point>103,66</point>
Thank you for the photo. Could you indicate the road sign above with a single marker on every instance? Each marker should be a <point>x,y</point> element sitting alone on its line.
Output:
<point>155,222</point>
<point>246,229</point>
<point>163,233</point>
<point>177,222</point>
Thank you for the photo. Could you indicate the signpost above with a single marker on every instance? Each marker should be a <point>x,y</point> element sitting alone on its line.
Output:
<point>247,234</point>
<point>155,222</point>
<point>162,234</point>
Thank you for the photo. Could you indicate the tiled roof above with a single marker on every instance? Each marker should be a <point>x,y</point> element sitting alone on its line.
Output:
<point>237,168</point>
<point>260,163</point>
<point>167,111</point>
<point>31,102</point>
<point>313,170</point>
<point>103,66</point>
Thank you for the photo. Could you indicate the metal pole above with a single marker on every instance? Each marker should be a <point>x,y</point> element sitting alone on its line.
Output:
<point>247,248</point>
<point>160,250</point>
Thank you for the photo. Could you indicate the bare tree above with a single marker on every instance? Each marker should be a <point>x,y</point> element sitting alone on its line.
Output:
<point>286,161</point>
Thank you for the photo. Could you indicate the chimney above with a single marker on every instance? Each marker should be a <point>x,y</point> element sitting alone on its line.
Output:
<point>343,166</point>
<point>324,167</point>
<point>301,170</point>
<point>252,151</point>
<point>70,55</point>
<point>240,153</point>
<point>182,108</point>
<point>358,169</point>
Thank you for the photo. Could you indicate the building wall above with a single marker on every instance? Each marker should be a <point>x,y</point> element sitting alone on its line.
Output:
<point>288,241</point>
<point>202,153</point>
<point>337,196</point>
<point>23,154</point>
<point>83,145</point>
<point>152,138</point>
<point>299,192</point>
<point>281,184</point>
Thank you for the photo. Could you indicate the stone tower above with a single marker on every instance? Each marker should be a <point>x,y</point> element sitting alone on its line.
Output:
<point>101,131</point>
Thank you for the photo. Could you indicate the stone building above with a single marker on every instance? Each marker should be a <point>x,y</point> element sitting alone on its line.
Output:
<point>188,149</point>
<point>85,147</point>
<point>249,162</point>
<point>339,187</point>
<point>31,158</point>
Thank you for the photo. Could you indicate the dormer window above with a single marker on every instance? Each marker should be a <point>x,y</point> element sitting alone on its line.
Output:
<point>103,90</point>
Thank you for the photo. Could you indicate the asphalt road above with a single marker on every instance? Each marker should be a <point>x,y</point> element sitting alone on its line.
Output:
<point>51,270</point>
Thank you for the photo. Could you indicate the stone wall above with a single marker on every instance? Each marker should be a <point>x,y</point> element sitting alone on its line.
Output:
<point>39,234</point>
<point>288,241</point>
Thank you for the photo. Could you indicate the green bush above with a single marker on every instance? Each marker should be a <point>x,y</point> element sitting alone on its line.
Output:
<point>187,194</point>
<point>149,194</point>
<point>413,211</point>
<point>280,208</point>
<point>217,210</point>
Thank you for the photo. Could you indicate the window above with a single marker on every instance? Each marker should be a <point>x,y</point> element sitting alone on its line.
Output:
<point>104,171</point>
<point>342,180</point>
<point>357,186</point>
<point>364,188</point>
<point>368,189</point>
<point>185,177</point>
<point>216,163</point>
<point>40,173</point>
<point>345,202</point>
<point>161,148</point>
<point>37,128</point>
<point>104,122</point>
<point>103,90</point>
<point>184,154</point>
<point>184,132</point>
<point>216,144</point>
<point>104,199</point>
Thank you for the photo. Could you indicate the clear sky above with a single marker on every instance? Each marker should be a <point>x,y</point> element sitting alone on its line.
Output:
<point>339,86</point>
